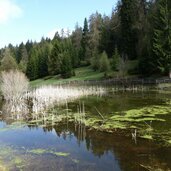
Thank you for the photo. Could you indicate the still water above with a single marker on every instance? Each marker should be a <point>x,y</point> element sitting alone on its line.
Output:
<point>67,147</point>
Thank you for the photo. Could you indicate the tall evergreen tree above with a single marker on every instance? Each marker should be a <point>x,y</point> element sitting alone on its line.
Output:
<point>128,18</point>
<point>20,52</point>
<point>55,59</point>
<point>32,70</point>
<point>162,39</point>
<point>84,41</point>
<point>95,27</point>
<point>76,38</point>
<point>24,59</point>
<point>105,35</point>
<point>66,66</point>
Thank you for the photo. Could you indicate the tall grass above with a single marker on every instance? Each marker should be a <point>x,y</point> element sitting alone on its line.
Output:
<point>38,101</point>
<point>48,96</point>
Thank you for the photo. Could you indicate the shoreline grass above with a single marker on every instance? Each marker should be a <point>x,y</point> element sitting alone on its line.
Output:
<point>81,74</point>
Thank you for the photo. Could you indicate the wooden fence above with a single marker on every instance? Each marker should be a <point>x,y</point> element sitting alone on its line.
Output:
<point>120,82</point>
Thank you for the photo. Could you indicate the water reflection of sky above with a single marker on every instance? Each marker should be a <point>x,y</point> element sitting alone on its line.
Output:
<point>96,150</point>
<point>38,138</point>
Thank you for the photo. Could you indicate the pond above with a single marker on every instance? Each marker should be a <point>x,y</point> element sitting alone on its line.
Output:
<point>68,146</point>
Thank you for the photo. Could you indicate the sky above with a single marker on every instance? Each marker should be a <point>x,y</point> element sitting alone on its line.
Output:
<point>22,20</point>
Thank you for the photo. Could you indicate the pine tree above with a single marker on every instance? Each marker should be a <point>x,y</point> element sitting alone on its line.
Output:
<point>95,30</point>
<point>24,59</point>
<point>76,42</point>
<point>55,59</point>
<point>115,60</point>
<point>44,53</point>
<point>105,35</point>
<point>129,37</point>
<point>84,41</point>
<point>20,51</point>
<point>66,66</point>
<point>33,65</point>
<point>162,39</point>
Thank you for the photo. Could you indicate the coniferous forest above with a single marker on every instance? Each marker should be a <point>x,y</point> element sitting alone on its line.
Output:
<point>97,98</point>
<point>136,30</point>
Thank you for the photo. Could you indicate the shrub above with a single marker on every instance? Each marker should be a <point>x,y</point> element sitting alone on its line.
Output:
<point>14,84</point>
<point>104,62</point>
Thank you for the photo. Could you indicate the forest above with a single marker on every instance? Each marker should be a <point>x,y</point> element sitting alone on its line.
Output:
<point>136,30</point>
<point>108,80</point>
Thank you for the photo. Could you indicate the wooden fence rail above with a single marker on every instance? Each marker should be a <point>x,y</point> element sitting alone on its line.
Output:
<point>123,82</point>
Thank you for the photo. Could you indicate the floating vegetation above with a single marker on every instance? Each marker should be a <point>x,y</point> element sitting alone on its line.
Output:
<point>41,151</point>
<point>60,154</point>
<point>13,126</point>
<point>149,137</point>
<point>9,158</point>
<point>38,151</point>
<point>75,161</point>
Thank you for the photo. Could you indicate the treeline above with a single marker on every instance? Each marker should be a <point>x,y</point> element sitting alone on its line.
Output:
<point>136,30</point>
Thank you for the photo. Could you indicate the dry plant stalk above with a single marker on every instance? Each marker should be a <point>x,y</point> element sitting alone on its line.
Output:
<point>14,85</point>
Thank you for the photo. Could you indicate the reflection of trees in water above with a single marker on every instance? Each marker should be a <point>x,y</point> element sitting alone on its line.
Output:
<point>123,148</point>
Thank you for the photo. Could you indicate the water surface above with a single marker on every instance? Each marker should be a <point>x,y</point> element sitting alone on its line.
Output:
<point>66,146</point>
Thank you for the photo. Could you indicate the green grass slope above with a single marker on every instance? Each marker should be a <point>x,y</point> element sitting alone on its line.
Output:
<point>83,73</point>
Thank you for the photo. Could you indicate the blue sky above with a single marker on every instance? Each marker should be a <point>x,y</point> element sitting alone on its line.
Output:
<point>21,20</point>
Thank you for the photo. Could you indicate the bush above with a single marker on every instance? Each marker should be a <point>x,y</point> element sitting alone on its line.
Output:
<point>8,62</point>
<point>104,62</point>
<point>95,62</point>
<point>14,84</point>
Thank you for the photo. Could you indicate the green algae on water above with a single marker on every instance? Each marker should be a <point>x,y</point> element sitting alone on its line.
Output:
<point>13,126</point>
<point>149,137</point>
<point>61,154</point>
<point>38,151</point>
<point>41,151</point>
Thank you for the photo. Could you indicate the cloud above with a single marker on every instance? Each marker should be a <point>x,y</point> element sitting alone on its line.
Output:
<point>65,33</point>
<point>8,10</point>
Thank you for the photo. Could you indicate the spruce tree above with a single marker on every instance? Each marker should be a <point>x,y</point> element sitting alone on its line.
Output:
<point>55,59</point>
<point>84,41</point>
<point>24,59</point>
<point>128,19</point>
<point>33,65</point>
<point>66,66</point>
<point>162,39</point>
<point>115,60</point>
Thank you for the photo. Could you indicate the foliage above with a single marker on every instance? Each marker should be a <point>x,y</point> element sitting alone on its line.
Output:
<point>84,41</point>
<point>115,60</point>
<point>140,30</point>
<point>13,84</point>
<point>32,66</point>
<point>162,38</point>
<point>104,62</point>
<point>8,62</point>
<point>95,62</point>
<point>128,32</point>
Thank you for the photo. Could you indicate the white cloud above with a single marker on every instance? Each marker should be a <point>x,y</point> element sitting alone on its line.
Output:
<point>8,10</point>
<point>65,33</point>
